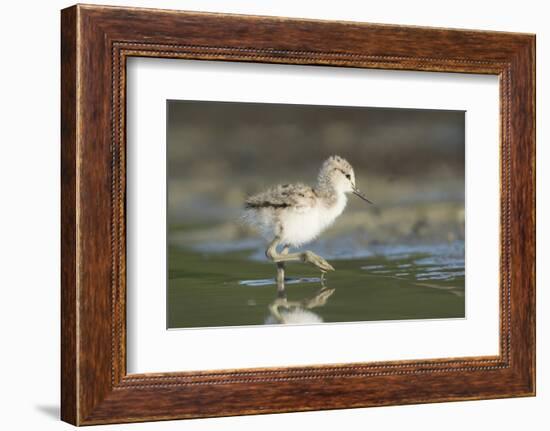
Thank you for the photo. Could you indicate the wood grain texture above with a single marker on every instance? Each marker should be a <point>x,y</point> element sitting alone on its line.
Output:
<point>96,41</point>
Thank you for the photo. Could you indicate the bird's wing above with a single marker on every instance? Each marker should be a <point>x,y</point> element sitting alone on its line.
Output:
<point>295,196</point>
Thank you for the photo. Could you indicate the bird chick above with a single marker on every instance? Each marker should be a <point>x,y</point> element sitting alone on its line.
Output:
<point>295,214</point>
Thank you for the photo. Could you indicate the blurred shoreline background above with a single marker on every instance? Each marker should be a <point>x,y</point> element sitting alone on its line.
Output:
<point>409,162</point>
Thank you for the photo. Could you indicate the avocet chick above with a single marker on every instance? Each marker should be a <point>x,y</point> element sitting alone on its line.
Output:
<point>290,215</point>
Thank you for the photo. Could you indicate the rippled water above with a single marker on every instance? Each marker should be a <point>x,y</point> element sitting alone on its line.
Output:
<point>232,284</point>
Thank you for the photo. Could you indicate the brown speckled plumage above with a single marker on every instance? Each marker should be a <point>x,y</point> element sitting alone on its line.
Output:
<point>284,196</point>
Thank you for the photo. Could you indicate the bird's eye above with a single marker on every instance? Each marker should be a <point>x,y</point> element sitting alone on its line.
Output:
<point>348,176</point>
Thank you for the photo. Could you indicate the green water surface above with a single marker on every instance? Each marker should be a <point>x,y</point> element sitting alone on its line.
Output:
<point>230,289</point>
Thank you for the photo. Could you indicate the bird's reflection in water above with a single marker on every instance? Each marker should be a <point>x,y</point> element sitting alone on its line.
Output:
<point>283,311</point>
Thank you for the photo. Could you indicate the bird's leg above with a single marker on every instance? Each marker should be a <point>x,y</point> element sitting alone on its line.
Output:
<point>281,272</point>
<point>306,257</point>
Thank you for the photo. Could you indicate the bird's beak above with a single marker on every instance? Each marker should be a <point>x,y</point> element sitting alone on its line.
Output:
<point>358,192</point>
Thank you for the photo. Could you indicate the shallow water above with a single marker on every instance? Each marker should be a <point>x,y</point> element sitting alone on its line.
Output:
<point>232,284</point>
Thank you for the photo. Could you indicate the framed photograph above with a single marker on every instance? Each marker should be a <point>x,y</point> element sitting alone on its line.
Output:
<point>263,214</point>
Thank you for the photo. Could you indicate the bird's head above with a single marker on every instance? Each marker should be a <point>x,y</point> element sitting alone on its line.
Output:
<point>338,173</point>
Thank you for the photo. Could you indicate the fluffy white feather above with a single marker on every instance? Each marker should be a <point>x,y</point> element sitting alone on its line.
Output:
<point>297,213</point>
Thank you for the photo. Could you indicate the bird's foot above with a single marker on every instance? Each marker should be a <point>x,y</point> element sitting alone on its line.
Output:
<point>318,261</point>
<point>320,299</point>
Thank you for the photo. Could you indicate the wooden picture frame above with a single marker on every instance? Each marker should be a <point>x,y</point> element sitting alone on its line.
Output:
<point>95,43</point>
